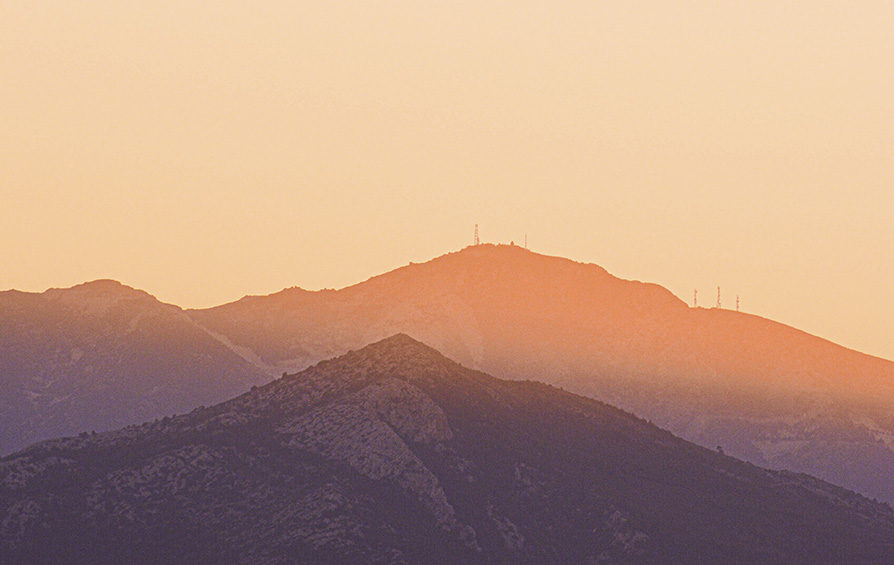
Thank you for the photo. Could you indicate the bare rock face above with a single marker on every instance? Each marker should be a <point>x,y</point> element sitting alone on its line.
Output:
<point>370,432</point>
<point>407,410</point>
<point>395,454</point>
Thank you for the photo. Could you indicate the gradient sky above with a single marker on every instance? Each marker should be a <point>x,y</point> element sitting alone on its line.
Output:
<point>204,151</point>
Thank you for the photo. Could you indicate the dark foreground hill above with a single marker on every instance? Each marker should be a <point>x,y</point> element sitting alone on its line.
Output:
<point>102,355</point>
<point>395,454</point>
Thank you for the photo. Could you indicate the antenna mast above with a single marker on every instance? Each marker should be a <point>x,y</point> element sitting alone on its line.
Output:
<point>737,303</point>
<point>476,235</point>
<point>718,297</point>
<point>695,298</point>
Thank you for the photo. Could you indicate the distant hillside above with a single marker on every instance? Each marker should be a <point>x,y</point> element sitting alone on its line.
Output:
<point>395,454</point>
<point>100,356</point>
<point>764,391</point>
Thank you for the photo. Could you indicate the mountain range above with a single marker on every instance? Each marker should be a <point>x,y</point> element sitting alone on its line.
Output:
<point>762,391</point>
<point>396,454</point>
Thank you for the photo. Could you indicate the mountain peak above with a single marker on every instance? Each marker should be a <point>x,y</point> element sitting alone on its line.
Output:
<point>393,359</point>
<point>398,356</point>
<point>397,342</point>
<point>104,287</point>
<point>510,273</point>
<point>97,296</point>
<point>105,284</point>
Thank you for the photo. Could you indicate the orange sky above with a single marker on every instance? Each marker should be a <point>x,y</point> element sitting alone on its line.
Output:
<point>203,151</point>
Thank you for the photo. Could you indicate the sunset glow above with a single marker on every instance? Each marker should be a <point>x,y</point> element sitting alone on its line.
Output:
<point>204,153</point>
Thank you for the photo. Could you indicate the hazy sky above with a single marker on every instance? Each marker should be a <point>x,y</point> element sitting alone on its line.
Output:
<point>207,150</point>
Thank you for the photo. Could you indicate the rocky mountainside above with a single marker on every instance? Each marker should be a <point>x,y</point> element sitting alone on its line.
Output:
<point>395,454</point>
<point>102,355</point>
<point>765,392</point>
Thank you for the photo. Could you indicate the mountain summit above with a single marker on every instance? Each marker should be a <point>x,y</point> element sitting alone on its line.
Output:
<point>396,454</point>
<point>764,391</point>
<point>102,355</point>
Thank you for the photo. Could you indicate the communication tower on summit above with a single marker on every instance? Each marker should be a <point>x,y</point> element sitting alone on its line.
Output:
<point>695,298</point>
<point>737,303</point>
<point>476,235</point>
<point>718,297</point>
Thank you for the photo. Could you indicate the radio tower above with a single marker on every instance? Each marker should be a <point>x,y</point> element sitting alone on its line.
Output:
<point>695,298</point>
<point>476,235</point>
<point>737,303</point>
<point>718,297</point>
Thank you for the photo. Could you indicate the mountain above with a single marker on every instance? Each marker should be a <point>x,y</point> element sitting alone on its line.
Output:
<point>395,454</point>
<point>102,355</point>
<point>765,392</point>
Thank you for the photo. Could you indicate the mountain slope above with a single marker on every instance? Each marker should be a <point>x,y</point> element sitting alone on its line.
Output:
<point>766,392</point>
<point>396,454</point>
<point>100,356</point>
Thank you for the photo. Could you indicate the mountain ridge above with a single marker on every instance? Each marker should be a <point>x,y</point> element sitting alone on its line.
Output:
<point>517,314</point>
<point>101,355</point>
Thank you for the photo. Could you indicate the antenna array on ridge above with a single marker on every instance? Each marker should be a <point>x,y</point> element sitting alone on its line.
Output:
<point>476,235</point>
